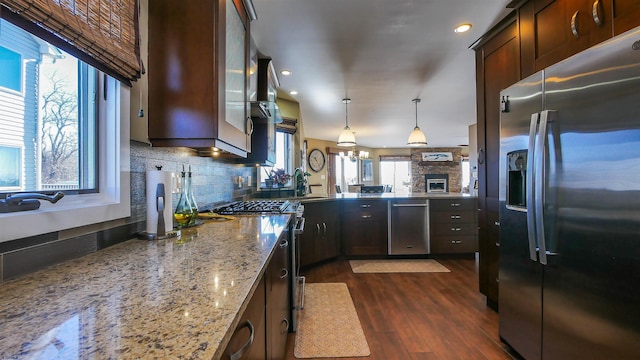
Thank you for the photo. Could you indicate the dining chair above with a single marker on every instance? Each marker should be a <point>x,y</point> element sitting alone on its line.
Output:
<point>378,189</point>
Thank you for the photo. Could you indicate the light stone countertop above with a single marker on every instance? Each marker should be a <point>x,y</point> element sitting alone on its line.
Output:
<point>382,196</point>
<point>168,299</point>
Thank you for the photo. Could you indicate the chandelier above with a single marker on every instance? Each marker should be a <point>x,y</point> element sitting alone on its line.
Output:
<point>354,155</point>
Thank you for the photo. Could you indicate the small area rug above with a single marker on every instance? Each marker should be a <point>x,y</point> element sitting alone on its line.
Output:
<point>396,266</point>
<point>329,325</point>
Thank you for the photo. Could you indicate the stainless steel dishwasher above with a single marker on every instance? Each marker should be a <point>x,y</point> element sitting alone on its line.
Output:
<point>408,227</point>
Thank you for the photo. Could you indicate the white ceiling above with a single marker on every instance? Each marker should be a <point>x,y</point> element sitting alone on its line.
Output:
<point>381,54</point>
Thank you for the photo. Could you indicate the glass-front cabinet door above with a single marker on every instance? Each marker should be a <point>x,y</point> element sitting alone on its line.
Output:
<point>236,113</point>
<point>198,78</point>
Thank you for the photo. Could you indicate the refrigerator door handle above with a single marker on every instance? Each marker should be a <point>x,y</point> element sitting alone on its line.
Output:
<point>530,181</point>
<point>540,161</point>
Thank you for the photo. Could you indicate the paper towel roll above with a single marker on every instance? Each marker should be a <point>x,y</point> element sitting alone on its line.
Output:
<point>155,177</point>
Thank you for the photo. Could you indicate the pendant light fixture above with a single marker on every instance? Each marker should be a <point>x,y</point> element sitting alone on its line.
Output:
<point>346,137</point>
<point>416,138</point>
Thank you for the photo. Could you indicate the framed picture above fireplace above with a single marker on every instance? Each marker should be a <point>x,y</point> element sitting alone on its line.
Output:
<point>437,156</point>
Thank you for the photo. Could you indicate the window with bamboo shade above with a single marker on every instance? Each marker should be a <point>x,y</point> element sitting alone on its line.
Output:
<point>105,32</point>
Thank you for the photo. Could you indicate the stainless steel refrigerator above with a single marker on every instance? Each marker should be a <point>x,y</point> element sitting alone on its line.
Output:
<point>570,207</point>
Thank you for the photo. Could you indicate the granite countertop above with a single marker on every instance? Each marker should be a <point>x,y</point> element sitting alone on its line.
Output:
<point>168,299</point>
<point>382,196</point>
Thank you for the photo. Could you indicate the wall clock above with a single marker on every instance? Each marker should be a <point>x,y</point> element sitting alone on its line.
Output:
<point>316,160</point>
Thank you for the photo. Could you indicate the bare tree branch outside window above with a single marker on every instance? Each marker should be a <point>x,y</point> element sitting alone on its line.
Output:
<point>59,132</point>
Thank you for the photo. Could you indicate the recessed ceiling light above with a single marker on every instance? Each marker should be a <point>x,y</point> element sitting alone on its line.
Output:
<point>462,28</point>
<point>293,92</point>
<point>285,72</point>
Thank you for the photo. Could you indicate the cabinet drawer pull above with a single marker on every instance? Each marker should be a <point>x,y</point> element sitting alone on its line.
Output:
<point>595,11</point>
<point>284,326</point>
<point>496,223</point>
<point>365,206</point>
<point>284,273</point>
<point>366,216</point>
<point>238,354</point>
<point>455,216</point>
<point>455,204</point>
<point>456,242</point>
<point>574,24</point>
<point>284,244</point>
<point>325,227</point>
<point>455,229</point>
<point>317,228</point>
<point>497,244</point>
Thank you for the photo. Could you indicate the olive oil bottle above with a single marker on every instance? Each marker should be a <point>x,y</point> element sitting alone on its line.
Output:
<point>191,198</point>
<point>184,211</point>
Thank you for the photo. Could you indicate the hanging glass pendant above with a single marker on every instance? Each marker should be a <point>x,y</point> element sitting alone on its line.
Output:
<point>417,138</point>
<point>346,138</point>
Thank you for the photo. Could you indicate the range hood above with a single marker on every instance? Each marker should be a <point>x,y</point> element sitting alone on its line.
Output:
<point>265,114</point>
<point>260,110</point>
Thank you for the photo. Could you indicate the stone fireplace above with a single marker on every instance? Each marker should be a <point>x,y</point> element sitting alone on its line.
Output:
<point>451,169</point>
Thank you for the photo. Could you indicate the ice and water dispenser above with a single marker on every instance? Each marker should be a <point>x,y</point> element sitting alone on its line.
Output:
<point>517,179</point>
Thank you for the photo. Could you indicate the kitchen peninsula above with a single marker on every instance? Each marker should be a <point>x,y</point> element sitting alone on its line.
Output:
<point>387,224</point>
<point>167,299</point>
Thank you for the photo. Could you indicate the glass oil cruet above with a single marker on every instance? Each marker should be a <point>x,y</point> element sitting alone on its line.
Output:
<point>192,198</point>
<point>184,212</point>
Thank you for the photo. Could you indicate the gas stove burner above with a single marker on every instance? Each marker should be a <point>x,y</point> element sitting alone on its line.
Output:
<point>254,206</point>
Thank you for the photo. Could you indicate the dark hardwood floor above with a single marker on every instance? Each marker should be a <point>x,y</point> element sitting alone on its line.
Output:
<point>432,316</point>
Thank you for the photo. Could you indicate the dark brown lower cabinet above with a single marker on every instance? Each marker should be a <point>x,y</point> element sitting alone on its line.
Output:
<point>266,318</point>
<point>278,277</point>
<point>252,324</point>
<point>364,227</point>
<point>452,225</point>
<point>321,238</point>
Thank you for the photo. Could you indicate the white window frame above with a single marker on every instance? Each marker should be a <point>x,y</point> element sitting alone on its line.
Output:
<point>20,148</point>
<point>288,159</point>
<point>21,65</point>
<point>112,201</point>
<point>395,187</point>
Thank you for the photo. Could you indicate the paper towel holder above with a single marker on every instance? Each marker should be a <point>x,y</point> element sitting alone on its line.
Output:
<point>160,206</point>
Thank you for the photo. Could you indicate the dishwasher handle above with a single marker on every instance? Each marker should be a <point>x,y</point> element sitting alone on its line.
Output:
<point>409,205</point>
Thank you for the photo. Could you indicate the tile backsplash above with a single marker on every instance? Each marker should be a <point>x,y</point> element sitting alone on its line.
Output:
<point>214,181</point>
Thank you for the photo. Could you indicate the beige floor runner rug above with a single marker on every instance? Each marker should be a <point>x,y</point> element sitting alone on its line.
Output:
<point>397,266</point>
<point>329,325</point>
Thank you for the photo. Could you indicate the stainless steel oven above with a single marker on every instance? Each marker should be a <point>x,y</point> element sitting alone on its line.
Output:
<point>296,228</point>
<point>297,281</point>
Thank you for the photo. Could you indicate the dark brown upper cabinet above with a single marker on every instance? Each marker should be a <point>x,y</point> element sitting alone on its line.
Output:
<point>198,78</point>
<point>553,30</point>
<point>626,15</point>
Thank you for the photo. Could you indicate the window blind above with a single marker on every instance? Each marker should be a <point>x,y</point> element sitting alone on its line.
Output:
<point>395,157</point>
<point>288,125</point>
<point>105,30</point>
